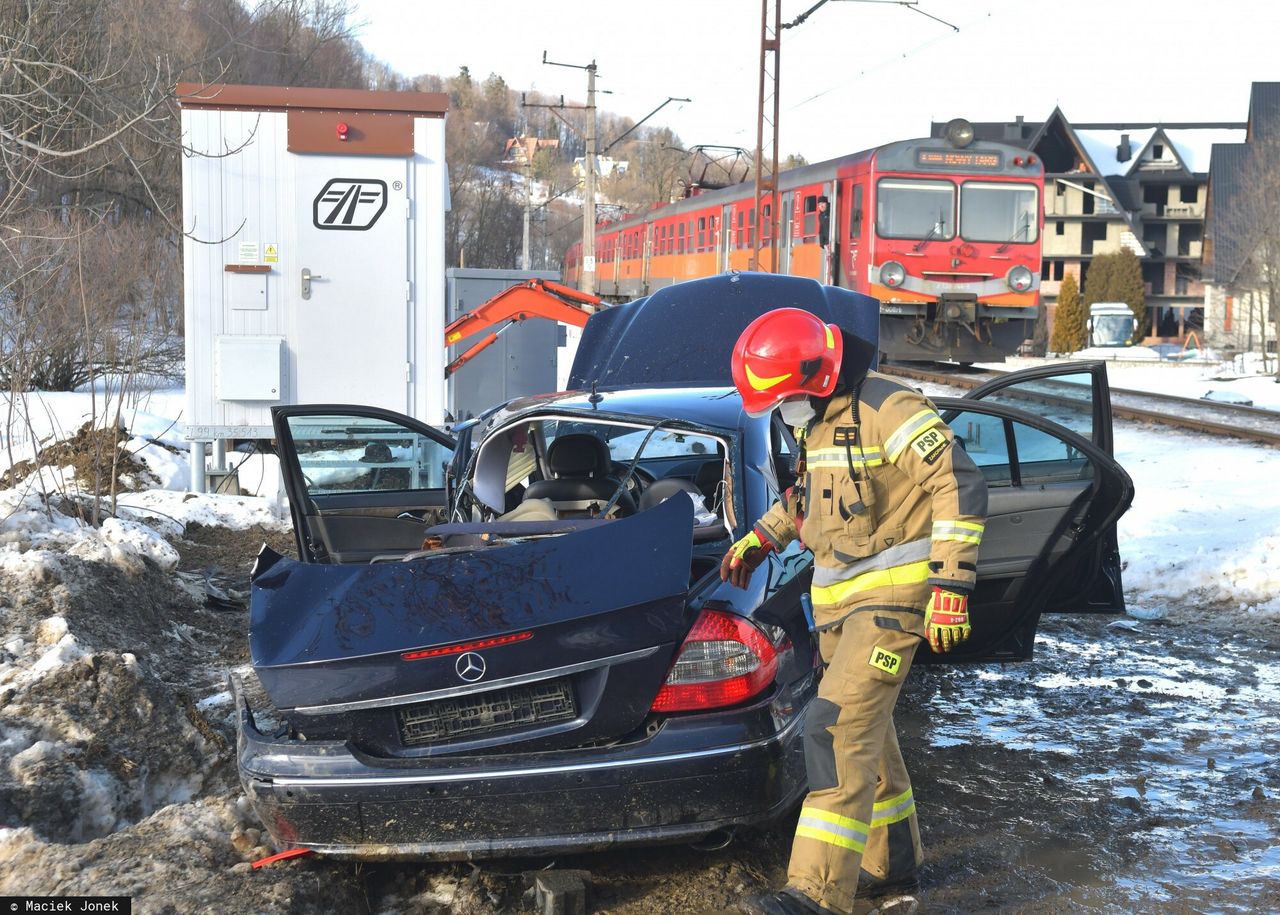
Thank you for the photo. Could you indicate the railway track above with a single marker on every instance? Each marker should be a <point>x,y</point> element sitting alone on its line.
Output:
<point>1208,417</point>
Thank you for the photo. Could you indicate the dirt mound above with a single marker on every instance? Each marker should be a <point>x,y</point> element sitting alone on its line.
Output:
<point>98,458</point>
<point>98,724</point>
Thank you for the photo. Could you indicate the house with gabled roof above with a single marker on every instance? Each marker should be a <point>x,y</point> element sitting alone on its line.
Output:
<point>1238,316</point>
<point>1135,185</point>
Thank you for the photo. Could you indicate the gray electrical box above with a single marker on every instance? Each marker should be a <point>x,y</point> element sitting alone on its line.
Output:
<point>522,361</point>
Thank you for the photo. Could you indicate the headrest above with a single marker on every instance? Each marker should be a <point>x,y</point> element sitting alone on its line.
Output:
<point>662,490</point>
<point>578,455</point>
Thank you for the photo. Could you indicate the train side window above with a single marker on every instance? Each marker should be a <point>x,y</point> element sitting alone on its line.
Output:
<point>810,215</point>
<point>742,221</point>
<point>702,233</point>
<point>680,239</point>
<point>766,229</point>
<point>855,213</point>
<point>751,228</point>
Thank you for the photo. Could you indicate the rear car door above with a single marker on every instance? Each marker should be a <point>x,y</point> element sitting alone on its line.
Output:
<point>1054,499</point>
<point>361,481</point>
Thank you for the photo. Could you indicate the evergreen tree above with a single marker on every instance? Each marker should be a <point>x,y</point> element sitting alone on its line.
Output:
<point>1069,334</point>
<point>1127,286</point>
<point>1098,284</point>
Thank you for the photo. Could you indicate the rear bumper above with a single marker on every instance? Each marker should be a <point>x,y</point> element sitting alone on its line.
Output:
<point>687,781</point>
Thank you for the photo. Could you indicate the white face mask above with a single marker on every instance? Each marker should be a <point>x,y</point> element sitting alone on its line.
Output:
<point>797,413</point>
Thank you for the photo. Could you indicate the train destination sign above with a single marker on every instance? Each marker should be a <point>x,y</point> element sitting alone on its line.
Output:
<point>959,158</point>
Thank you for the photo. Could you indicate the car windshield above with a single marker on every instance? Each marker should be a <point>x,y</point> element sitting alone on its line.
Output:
<point>998,212</point>
<point>912,208</point>
<point>1112,330</point>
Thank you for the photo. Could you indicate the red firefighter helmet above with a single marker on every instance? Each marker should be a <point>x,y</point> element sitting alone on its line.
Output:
<point>784,353</point>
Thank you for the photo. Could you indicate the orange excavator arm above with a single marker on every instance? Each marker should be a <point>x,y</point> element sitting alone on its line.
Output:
<point>530,299</point>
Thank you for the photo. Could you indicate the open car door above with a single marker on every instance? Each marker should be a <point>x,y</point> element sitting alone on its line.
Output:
<point>1054,499</point>
<point>361,481</point>
<point>1076,395</point>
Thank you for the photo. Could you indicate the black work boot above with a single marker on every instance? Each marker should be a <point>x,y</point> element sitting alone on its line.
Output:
<point>870,887</point>
<point>783,902</point>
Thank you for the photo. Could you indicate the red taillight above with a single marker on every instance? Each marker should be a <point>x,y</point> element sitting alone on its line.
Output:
<point>342,130</point>
<point>466,646</point>
<point>1017,160</point>
<point>724,660</point>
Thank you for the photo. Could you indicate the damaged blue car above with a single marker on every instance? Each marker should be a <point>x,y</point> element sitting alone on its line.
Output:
<point>513,638</point>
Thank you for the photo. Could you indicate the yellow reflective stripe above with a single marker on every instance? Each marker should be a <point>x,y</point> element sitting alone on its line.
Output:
<point>844,462</point>
<point>961,531</point>
<point>881,806</point>
<point>764,384</point>
<point>896,443</point>
<point>910,574</point>
<point>827,816</point>
<point>967,525</point>
<point>839,457</point>
<point>831,338</point>
<point>812,832</point>
<point>832,828</point>
<point>893,810</point>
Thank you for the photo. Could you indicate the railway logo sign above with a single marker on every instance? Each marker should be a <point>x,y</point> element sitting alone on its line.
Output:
<point>470,666</point>
<point>349,204</point>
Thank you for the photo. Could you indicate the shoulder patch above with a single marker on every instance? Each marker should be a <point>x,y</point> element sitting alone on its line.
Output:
<point>930,444</point>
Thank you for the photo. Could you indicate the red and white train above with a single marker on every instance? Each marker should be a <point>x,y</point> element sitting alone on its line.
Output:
<point>946,234</point>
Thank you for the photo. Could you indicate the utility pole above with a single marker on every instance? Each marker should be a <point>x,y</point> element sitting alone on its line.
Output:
<point>528,212</point>
<point>588,282</point>
<point>589,205</point>
<point>766,207</point>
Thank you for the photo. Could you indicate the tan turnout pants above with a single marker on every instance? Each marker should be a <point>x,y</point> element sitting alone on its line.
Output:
<point>859,815</point>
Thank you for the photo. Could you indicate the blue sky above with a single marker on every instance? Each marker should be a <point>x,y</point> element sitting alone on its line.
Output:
<point>855,75</point>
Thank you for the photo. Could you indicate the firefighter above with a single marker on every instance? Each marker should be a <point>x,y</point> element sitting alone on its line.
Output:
<point>893,511</point>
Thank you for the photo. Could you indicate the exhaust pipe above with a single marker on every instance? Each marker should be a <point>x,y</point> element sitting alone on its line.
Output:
<point>714,840</point>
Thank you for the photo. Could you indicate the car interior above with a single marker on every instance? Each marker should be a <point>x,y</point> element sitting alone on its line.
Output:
<point>562,468</point>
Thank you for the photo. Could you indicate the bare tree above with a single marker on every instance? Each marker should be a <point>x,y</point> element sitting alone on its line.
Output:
<point>1252,219</point>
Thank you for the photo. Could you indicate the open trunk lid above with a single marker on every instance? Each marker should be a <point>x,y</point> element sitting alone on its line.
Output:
<point>472,647</point>
<point>684,334</point>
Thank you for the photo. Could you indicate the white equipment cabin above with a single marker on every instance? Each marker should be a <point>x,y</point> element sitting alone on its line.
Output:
<point>314,255</point>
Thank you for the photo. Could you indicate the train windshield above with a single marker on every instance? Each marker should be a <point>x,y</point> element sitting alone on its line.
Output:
<point>998,212</point>
<point>913,208</point>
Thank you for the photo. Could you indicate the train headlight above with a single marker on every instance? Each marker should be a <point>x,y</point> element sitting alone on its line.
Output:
<point>893,274</point>
<point>1020,279</point>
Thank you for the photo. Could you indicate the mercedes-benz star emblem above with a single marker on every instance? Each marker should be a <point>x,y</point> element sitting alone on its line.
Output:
<point>470,666</point>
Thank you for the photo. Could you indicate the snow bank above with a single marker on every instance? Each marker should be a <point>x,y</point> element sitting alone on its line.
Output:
<point>1205,523</point>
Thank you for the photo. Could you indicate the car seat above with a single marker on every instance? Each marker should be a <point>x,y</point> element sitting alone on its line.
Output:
<point>581,483</point>
<point>711,528</point>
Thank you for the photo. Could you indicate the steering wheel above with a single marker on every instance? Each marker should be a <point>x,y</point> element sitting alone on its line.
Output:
<point>641,479</point>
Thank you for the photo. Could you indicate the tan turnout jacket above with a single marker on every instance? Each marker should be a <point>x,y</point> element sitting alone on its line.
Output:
<point>886,501</point>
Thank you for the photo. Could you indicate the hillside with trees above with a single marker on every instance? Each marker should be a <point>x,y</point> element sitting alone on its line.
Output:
<point>90,165</point>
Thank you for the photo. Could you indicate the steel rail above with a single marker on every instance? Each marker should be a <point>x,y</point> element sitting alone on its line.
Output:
<point>1266,436</point>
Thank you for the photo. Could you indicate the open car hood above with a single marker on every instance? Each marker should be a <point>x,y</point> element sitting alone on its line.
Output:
<point>328,640</point>
<point>684,334</point>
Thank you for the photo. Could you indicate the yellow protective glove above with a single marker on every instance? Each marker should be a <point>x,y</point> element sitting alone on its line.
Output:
<point>946,619</point>
<point>743,558</point>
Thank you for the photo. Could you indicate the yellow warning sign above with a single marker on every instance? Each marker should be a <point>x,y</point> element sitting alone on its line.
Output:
<point>271,252</point>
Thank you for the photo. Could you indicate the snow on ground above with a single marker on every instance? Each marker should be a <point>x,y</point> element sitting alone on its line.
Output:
<point>1141,369</point>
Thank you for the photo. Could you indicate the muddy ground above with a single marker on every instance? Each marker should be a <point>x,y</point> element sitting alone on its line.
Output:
<point>1132,766</point>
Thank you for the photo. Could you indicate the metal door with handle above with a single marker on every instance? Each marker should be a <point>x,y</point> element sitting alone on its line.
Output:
<point>352,282</point>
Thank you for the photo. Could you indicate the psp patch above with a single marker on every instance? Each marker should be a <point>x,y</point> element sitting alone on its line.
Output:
<point>930,444</point>
<point>883,659</point>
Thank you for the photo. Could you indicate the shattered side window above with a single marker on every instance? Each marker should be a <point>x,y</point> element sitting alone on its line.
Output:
<point>346,454</point>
